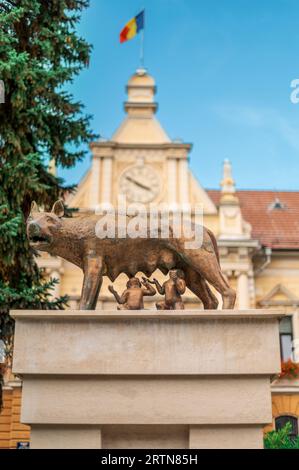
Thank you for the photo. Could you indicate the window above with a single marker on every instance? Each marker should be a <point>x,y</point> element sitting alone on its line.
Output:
<point>276,205</point>
<point>286,338</point>
<point>281,421</point>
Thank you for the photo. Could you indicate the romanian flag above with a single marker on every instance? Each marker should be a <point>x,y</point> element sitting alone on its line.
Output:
<point>133,27</point>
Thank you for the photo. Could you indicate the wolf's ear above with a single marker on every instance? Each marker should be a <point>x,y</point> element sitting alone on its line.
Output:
<point>58,208</point>
<point>34,207</point>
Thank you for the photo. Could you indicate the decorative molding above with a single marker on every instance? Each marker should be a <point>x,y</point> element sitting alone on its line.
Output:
<point>291,299</point>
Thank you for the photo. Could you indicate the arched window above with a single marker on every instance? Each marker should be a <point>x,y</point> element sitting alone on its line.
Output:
<point>281,421</point>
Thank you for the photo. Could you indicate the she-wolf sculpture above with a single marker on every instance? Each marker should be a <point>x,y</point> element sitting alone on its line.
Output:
<point>75,240</point>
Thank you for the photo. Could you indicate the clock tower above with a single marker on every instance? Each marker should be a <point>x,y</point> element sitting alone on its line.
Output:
<point>140,162</point>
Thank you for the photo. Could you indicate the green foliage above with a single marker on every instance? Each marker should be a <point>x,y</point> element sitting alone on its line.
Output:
<point>40,53</point>
<point>280,439</point>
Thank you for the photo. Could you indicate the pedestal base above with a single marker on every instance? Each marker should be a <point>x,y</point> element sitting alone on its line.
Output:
<point>191,379</point>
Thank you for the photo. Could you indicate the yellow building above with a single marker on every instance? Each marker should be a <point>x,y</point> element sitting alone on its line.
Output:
<point>257,233</point>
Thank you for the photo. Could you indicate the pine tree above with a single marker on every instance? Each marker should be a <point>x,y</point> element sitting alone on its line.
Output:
<point>40,54</point>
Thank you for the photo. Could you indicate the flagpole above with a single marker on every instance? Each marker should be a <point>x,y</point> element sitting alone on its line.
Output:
<point>142,49</point>
<point>142,43</point>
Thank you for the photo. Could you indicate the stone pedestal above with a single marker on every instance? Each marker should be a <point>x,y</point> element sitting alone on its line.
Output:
<point>190,379</point>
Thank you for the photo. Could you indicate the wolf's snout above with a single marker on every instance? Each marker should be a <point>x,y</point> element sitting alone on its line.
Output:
<point>35,235</point>
<point>33,230</point>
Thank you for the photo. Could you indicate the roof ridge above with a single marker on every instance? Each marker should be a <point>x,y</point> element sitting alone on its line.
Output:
<point>294,191</point>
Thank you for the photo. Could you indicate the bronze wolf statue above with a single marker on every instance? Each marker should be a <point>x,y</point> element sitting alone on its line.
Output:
<point>75,240</point>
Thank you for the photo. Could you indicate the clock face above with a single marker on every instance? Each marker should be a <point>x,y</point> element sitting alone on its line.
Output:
<point>140,184</point>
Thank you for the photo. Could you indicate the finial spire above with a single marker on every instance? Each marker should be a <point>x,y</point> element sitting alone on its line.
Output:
<point>232,224</point>
<point>227,183</point>
<point>141,71</point>
<point>228,187</point>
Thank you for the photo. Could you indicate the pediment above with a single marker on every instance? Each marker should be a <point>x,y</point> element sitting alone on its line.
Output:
<point>279,296</point>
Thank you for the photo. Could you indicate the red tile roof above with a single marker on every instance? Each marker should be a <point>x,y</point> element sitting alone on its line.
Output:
<point>275,228</point>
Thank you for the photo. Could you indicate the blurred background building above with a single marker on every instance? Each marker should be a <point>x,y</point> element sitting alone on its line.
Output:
<point>257,233</point>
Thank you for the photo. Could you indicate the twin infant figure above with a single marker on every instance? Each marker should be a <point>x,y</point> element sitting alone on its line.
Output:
<point>172,289</point>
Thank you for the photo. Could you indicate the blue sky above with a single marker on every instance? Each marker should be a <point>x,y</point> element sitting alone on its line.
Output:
<point>223,70</point>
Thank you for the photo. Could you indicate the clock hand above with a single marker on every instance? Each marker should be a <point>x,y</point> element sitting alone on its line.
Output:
<point>143,186</point>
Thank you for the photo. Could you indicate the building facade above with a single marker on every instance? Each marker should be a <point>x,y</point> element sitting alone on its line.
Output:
<point>257,233</point>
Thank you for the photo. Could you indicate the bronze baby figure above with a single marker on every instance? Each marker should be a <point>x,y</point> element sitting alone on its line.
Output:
<point>132,297</point>
<point>173,289</point>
